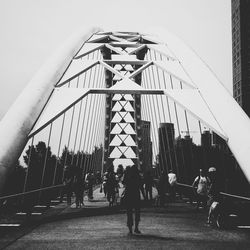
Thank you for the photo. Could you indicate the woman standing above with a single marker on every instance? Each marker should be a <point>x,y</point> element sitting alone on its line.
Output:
<point>132,181</point>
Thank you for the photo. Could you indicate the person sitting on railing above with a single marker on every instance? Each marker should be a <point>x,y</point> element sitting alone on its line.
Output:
<point>201,184</point>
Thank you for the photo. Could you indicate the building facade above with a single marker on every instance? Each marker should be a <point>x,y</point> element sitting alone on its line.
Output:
<point>167,156</point>
<point>146,142</point>
<point>241,52</point>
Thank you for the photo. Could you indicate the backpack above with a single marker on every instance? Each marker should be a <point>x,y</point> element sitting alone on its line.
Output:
<point>202,187</point>
<point>111,180</point>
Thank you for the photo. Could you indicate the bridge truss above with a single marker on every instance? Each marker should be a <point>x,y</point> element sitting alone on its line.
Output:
<point>107,97</point>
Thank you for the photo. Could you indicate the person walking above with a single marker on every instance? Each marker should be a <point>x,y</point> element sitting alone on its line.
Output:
<point>111,185</point>
<point>90,181</point>
<point>142,182</point>
<point>68,178</point>
<point>201,184</point>
<point>163,188</point>
<point>172,182</point>
<point>213,193</point>
<point>132,182</point>
<point>148,179</point>
<point>78,187</point>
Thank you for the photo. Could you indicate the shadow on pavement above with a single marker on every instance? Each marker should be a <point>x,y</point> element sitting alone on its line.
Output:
<point>151,237</point>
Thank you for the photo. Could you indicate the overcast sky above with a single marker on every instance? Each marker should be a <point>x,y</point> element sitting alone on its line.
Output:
<point>31,30</point>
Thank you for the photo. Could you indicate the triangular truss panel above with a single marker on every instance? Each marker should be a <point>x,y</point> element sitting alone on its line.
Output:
<point>192,101</point>
<point>87,49</point>
<point>60,101</point>
<point>77,68</point>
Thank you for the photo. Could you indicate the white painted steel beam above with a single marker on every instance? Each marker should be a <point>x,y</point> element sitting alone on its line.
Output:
<point>134,51</point>
<point>111,69</point>
<point>115,49</point>
<point>127,91</point>
<point>126,45</point>
<point>128,61</point>
<point>138,71</point>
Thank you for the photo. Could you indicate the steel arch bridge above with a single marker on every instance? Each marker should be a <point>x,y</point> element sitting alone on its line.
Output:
<point>111,92</point>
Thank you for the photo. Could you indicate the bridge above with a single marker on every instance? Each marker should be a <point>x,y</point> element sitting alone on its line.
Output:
<point>124,98</point>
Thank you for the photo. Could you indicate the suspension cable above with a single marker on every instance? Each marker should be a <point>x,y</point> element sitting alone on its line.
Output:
<point>70,131</point>
<point>165,86</point>
<point>28,166</point>
<point>59,149</point>
<point>154,121</point>
<point>150,115</point>
<point>45,163</point>
<point>154,112</point>
<point>88,121</point>
<point>97,136</point>
<point>81,135</point>
<point>167,138</point>
<point>92,127</point>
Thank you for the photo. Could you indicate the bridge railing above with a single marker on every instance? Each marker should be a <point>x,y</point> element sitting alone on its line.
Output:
<point>226,195</point>
<point>234,205</point>
<point>25,201</point>
<point>29,192</point>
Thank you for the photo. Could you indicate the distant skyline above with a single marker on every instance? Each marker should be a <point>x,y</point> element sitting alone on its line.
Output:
<point>32,30</point>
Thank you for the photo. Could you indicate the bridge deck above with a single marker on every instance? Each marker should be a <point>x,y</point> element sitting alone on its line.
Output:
<point>177,226</point>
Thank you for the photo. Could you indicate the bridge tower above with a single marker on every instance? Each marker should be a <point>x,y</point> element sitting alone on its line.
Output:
<point>123,136</point>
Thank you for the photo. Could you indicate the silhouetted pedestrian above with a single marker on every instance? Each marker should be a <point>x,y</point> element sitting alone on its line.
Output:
<point>111,185</point>
<point>142,181</point>
<point>68,178</point>
<point>104,183</point>
<point>132,182</point>
<point>90,181</point>
<point>79,187</point>
<point>163,188</point>
<point>201,184</point>
<point>213,193</point>
<point>172,184</point>
<point>148,180</point>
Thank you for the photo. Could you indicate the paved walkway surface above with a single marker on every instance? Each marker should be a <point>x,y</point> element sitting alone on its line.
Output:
<point>176,226</point>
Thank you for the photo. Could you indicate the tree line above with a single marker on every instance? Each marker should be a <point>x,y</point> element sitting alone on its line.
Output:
<point>44,169</point>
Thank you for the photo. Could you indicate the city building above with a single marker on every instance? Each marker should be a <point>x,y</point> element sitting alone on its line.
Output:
<point>146,146</point>
<point>166,135</point>
<point>206,139</point>
<point>241,52</point>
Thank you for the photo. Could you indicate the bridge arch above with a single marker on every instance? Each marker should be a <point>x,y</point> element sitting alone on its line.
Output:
<point>201,93</point>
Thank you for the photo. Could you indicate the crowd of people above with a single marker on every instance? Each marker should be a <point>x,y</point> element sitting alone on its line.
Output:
<point>77,184</point>
<point>74,182</point>
<point>137,185</point>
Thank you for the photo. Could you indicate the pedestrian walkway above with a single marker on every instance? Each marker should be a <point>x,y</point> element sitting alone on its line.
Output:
<point>96,226</point>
